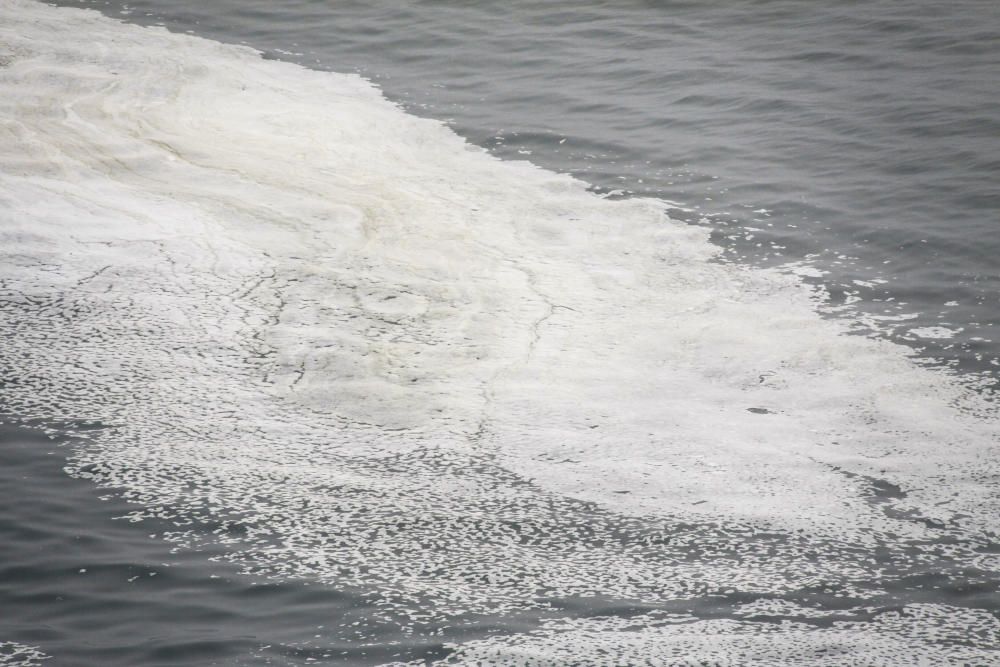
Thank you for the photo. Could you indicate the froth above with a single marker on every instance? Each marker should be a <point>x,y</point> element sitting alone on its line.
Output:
<point>13,654</point>
<point>914,636</point>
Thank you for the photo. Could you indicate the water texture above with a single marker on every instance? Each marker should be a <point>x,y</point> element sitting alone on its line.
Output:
<point>438,406</point>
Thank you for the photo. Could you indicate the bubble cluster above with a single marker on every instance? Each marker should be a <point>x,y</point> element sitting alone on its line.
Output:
<point>916,635</point>
<point>13,654</point>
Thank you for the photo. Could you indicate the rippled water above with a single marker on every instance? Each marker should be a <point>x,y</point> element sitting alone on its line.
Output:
<point>334,386</point>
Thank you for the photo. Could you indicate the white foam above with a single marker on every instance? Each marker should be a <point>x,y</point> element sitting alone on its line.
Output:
<point>13,654</point>
<point>933,332</point>
<point>915,635</point>
<point>373,355</point>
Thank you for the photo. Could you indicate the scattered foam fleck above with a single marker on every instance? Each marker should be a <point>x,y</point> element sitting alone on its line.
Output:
<point>933,332</point>
<point>916,634</point>
<point>13,654</point>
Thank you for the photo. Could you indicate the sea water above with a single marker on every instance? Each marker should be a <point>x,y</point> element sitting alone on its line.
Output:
<point>678,404</point>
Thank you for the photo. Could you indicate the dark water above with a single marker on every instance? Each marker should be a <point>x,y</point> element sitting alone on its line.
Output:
<point>859,139</point>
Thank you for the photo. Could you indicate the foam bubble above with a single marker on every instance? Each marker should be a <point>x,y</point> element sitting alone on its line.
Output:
<point>13,654</point>
<point>933,332</point>
<point>916,634</point>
